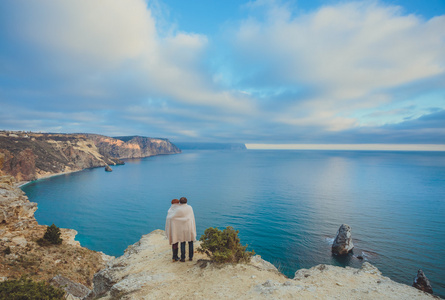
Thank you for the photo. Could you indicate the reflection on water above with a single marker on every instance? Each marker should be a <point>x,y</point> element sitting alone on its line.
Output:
<point>286,204</point>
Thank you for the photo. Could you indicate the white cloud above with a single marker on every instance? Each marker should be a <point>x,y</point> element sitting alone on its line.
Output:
<point>112,49</point>
<point>102,33</point>
<point>349,54</point>
<point>286,75</point>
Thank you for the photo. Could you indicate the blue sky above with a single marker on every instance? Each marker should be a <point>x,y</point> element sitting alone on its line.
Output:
<point>310,72</point>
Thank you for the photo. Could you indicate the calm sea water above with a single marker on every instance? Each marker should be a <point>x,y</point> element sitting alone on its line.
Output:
<point>287,205</point>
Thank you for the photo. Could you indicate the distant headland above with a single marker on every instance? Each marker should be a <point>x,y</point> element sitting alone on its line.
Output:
<point>29,156</point>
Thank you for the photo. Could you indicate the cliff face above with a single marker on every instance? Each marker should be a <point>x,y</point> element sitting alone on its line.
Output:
<point>133,146</point>
<point>146,271</point>
<point>29,156</point>
<point>21,255</point>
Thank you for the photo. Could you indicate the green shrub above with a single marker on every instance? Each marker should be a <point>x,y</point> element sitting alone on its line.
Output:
<point>26,289</point>
<point>52,236</point>
<point>224,246</point>
<point>7,250</point>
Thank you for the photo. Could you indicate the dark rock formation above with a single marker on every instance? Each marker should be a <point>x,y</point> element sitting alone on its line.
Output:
<point>343,242</point>
<point>132,146</point>
<point>108,168</point>
<point>422,283</point>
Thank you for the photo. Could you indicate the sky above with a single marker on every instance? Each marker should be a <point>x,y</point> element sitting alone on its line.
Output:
<point>257,72</point>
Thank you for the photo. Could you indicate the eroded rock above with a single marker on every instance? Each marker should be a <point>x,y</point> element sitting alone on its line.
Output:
<point>343,241</point>
<point>73,288</point>
<point>422,283</point>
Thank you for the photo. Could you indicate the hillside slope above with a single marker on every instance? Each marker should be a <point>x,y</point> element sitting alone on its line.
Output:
<point>30,156</point>
<point>20,253</point>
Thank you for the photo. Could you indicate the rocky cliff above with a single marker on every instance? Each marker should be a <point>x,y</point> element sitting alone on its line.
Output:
<point>132,146</point>
<point>30,156</point>
<point>21,255</point>
<point>145,271</point>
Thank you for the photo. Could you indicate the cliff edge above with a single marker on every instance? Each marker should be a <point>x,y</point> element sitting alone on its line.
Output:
<point>146,271</point>
<point>20,253</point>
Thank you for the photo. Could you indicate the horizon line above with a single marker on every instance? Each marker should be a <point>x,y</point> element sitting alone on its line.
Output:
<point>361,147</point>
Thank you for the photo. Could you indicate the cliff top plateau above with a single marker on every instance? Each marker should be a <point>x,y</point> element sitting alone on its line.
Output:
<point>146,271</point>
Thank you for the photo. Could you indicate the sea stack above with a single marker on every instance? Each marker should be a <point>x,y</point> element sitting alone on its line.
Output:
<point>422,283</point>
<point>343,241</point>
<point>108,168</point>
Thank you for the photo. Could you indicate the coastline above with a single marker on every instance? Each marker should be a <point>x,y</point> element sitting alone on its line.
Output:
<point>23,183</point>
<point>145,270</point>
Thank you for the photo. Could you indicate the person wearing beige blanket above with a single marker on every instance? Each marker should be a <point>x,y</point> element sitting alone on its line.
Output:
<point>180,227</point>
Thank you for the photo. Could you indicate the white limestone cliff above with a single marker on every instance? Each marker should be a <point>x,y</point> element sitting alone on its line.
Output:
<point>146,271</point>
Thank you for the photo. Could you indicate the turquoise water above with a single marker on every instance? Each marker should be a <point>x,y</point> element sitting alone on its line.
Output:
<point>287,205</point>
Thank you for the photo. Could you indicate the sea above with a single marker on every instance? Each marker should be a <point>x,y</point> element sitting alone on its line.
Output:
<point>286,204</point>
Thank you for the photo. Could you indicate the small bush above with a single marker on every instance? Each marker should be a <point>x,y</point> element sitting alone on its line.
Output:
<point>224,246</point>
<point>26,289</point>
<point>7,250</point>
<point>52,236</point>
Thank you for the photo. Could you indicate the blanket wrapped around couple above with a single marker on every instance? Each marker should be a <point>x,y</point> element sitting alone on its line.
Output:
<point>180,224</point>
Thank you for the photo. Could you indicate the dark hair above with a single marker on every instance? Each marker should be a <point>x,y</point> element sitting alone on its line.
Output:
<point>175,201</point>
<point>183,200</point>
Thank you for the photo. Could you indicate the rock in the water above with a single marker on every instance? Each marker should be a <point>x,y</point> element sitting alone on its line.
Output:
<point>343,241</point>
<point>422,283</point>
<point>108,168</point>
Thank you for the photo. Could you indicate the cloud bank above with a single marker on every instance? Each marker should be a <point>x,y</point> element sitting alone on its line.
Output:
<point>342,73</point>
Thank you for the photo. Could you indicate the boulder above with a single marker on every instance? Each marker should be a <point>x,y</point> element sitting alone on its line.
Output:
<point>75,289</point>
<point>422,283</point>
<point>342,244</point>
<point>108,168</point>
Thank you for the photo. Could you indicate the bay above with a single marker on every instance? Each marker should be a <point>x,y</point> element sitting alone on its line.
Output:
<point>287,205</point>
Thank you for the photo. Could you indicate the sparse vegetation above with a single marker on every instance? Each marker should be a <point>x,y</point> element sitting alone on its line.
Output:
<point>52,236</point>
<point>26,289</point>
<point>224,246</point>
<point>7,250</point>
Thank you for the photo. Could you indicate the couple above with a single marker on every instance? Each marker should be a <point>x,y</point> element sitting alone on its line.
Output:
<point>180,227</point>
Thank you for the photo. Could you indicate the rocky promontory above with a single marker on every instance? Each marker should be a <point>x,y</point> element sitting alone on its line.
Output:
<point>145,271</point>
<point>29,156</point>
<point>132,146</point>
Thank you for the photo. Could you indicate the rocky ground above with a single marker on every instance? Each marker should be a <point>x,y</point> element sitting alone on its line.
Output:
<point>146,271</point>
<point>21,255</point>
